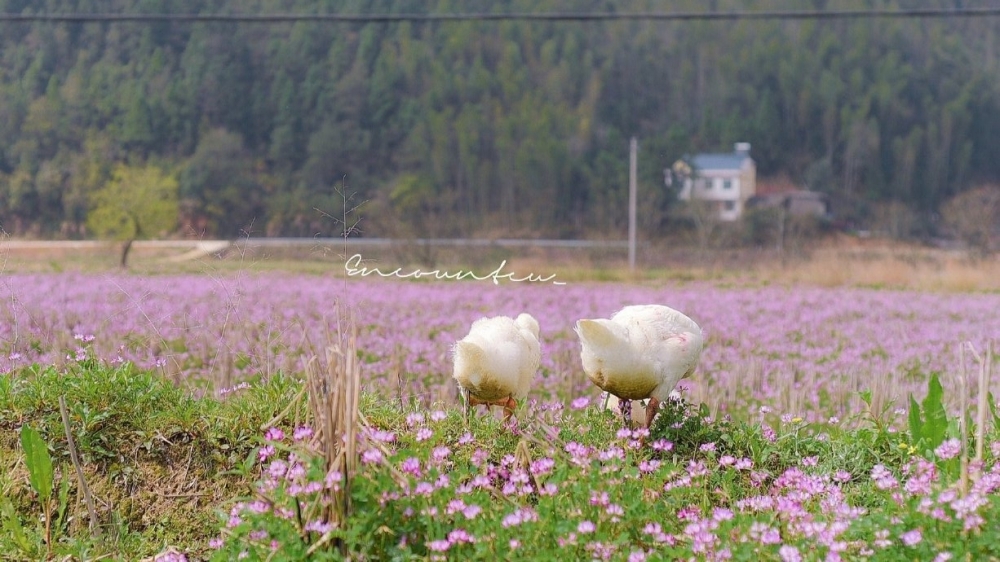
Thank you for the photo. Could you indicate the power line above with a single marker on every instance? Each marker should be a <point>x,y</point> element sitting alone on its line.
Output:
<point>553,16</point>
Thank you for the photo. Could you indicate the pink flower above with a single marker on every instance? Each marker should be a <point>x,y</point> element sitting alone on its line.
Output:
<point>411,466</point>
<point>460,536</point>
<point>911,538</point>
<point>648,466</point>
<point>696,469</point>
<point>478,457</point>
<point>383,436</point>
<point>884,480</point>
<point>277,468</point>
<point>274,434</point>
<point>371,456</point>
<point>662,445</point>
<point>523,515</point>
<point>586,527</point>
<point>333,479</point>
<point>265,452</point>
<point>439,545</point>
<point>423,434</point>
<point>542,466</point>
<point>949,449</point>
<point>789,553</point>
<point>319,526</point>
<point>722,514</point>
<point>768,433</point>
<point>580,403</point>
<point>440,453</point>
<point>303,432</point>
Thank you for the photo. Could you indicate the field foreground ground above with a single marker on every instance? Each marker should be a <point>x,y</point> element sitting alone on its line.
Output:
<point>795,439</point>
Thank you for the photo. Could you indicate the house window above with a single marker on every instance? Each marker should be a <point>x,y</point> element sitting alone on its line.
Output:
<point>729,205</point>
<point>727,184</point>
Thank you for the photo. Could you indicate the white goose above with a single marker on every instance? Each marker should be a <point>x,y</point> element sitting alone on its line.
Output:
<point>641,352</point>
<point>496,363</point>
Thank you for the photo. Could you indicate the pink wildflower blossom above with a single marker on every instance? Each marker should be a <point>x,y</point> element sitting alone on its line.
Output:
<point>911,538</point>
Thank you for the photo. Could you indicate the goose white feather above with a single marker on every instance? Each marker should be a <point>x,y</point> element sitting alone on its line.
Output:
<point>641,352</point>
<point>496,362</point>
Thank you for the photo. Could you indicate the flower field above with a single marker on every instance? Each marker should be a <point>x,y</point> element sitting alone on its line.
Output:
<point>806,351</point>
<point>794,440</point>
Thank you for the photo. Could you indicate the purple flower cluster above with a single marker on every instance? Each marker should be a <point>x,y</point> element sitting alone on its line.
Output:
<point>789,346</point>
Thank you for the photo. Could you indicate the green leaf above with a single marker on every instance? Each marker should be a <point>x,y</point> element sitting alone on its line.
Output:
<point>915,422</point>
<point>12,525</point>
<point>36,453</point>
<point>935,417</point>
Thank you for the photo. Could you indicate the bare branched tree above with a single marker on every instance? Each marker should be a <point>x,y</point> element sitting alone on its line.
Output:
<point>974,216</point>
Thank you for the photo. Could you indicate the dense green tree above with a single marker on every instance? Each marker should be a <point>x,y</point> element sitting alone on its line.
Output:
<point>513,126</point>
<point>219,189</point>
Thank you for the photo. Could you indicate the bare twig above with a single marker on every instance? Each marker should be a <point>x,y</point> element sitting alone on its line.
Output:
<point>984,380</point>
<point>963,416</point>
<point>71,444</point>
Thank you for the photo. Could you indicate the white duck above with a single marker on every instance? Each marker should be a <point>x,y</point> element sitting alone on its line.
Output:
<point>496,363</point>
<point>641,352</point>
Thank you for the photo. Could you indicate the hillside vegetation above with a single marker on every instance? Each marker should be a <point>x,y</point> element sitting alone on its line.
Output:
<point>471,128</point>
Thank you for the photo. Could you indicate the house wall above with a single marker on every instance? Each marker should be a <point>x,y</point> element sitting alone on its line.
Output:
<point>730,182</point>
<point>712,186</point>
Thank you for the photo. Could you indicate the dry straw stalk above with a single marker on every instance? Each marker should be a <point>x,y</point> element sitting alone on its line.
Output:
<point>334,393</point>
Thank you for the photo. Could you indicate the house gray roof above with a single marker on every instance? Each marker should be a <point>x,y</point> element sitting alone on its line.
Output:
<point>716,161</point>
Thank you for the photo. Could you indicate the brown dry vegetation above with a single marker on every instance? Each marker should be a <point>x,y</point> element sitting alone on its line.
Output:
<point>838,260</point>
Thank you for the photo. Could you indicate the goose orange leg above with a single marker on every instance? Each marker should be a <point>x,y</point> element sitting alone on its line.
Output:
<point>651,408</point>
<point>508,404</point>
<point>508,407</point>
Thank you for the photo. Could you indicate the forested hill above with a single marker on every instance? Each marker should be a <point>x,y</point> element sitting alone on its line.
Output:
<point>472,128</point>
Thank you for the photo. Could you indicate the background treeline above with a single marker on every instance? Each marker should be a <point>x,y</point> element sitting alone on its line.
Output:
<point>478,128</point>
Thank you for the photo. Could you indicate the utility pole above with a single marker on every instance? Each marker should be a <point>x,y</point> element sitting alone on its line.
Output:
<point>633,149</point>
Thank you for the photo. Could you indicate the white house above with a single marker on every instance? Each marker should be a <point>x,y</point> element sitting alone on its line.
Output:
<point>727,180</point>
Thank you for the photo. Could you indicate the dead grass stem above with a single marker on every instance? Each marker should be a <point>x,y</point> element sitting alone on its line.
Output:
<point>334,394</point>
